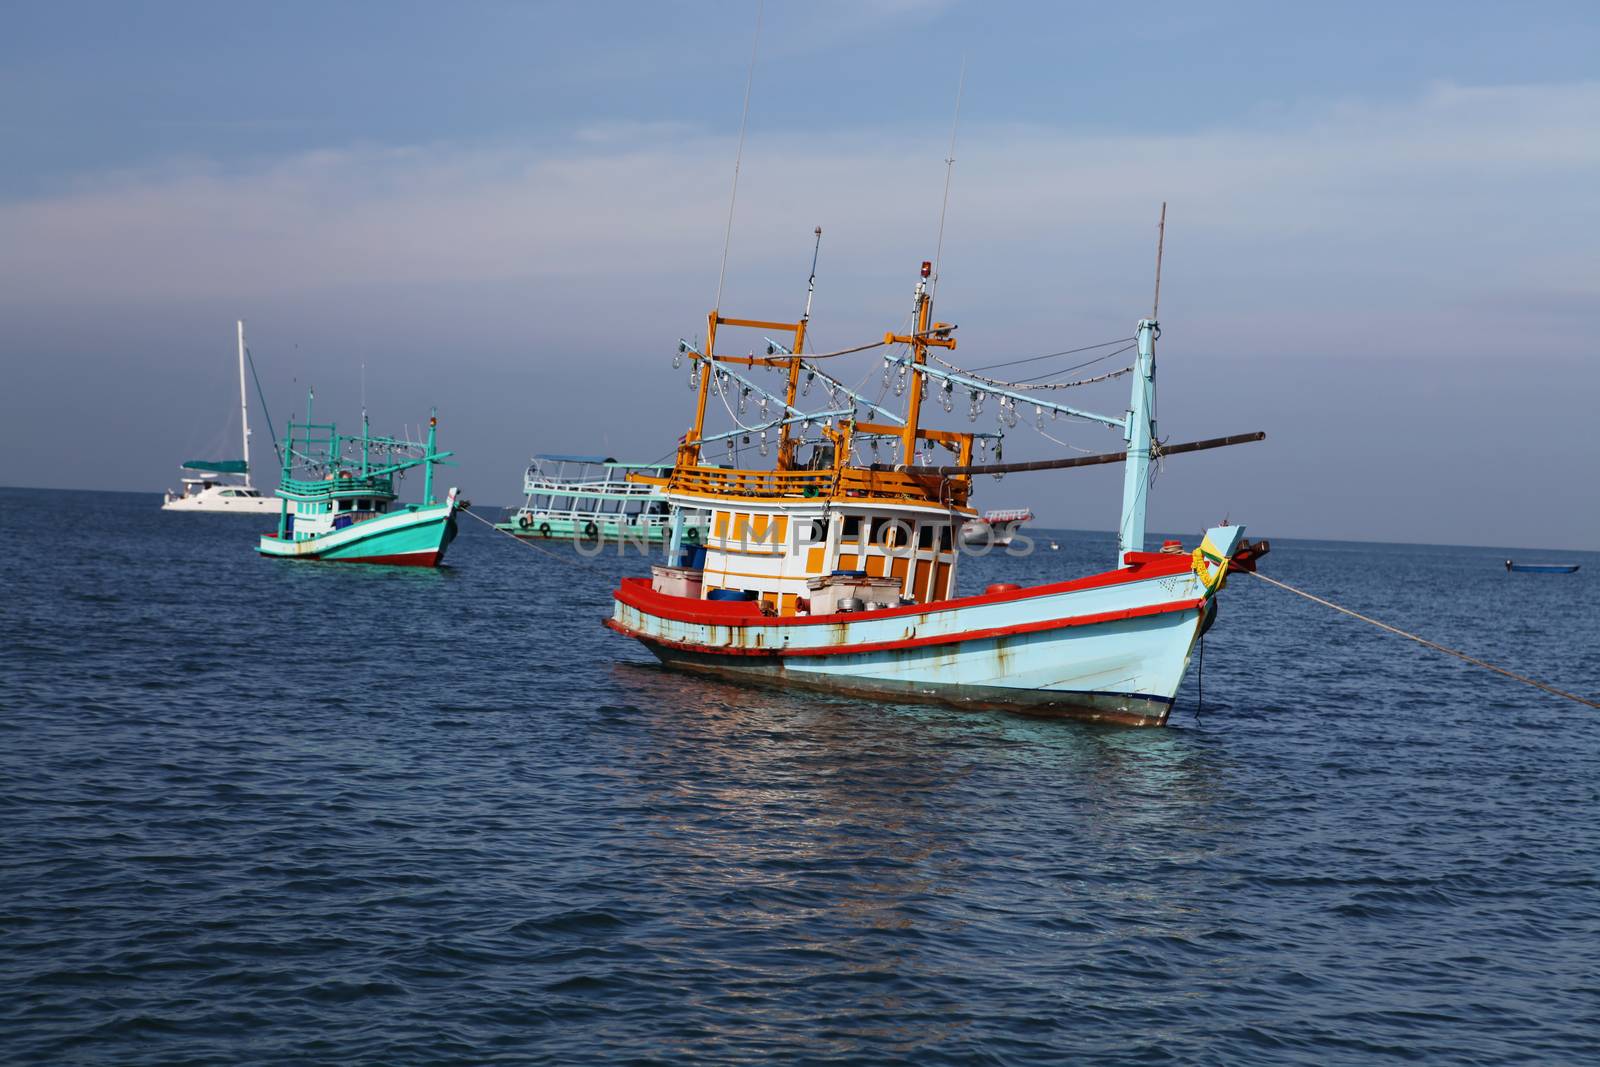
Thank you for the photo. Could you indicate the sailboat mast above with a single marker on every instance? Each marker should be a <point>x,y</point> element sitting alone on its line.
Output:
<point>244,407</point>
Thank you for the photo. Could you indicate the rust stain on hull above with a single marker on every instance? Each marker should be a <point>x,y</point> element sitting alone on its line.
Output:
<point>1106,708</point>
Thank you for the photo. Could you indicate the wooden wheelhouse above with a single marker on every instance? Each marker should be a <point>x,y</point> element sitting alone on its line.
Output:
<point>822,510</point>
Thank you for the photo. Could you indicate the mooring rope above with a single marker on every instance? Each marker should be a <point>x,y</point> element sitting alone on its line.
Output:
<point>528,544</point>
<point>1430,644</point>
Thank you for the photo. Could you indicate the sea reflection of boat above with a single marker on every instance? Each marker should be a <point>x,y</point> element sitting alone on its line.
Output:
<point>1541,568</point>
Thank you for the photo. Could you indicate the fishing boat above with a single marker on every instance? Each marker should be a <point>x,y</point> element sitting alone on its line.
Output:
<point>223,484</point>
<point>834,573</point>
<point>1541,568</point>
<point>995,528</point>
<point>593,498</point>
<point>338,501</point>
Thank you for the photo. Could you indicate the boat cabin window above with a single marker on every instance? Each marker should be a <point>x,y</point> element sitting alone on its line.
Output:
<point>852,527</point>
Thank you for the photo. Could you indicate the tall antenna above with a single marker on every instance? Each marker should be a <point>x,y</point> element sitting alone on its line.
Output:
<point>949,166</point>
<point>738,157</point>
<point>811,282</point>
<point>1161,242</point>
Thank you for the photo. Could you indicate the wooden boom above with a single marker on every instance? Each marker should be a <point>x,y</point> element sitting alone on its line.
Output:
<point>1082,461</point>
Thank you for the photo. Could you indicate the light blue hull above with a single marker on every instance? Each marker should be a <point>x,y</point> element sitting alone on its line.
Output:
<point>1111,647</point>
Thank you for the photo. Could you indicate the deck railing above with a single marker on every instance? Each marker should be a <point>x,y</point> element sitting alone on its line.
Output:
<point>852,481</point>
<point>342,486</point>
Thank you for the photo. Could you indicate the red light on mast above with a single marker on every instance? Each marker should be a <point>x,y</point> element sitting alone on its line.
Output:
<point>927,268</point>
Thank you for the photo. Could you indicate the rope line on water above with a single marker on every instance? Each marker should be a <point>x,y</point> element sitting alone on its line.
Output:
<point>528,544</point>
<point>1430,644</point>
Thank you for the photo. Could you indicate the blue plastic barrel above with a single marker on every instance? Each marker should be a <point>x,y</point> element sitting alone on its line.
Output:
<point>692,557</point>
<point>731,594</point>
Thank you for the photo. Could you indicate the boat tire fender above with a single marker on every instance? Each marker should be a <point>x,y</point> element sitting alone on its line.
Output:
<point>590,530</point>
<point>544,529</point>
<point>691,534</point>
<point>525,521</point>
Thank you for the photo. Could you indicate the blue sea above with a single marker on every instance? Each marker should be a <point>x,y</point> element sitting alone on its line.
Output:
<point>259,811</point>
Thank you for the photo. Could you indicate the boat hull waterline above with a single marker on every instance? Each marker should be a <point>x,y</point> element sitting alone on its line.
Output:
<point>416,537</point>
<point>1112,647</point>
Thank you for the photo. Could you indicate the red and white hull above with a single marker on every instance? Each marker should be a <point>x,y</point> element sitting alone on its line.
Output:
<point>1112,647</point>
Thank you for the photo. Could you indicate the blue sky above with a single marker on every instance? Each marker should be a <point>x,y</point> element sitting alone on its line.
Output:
<point>1379,248</point>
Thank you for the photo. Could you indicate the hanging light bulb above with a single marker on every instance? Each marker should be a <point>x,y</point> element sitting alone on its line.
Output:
<point>922,387</point>
<point>972,408</point>
<point>1011,413</point>
<point>677,358</point>
<point>1055,413</point>
<point>945,398</point>
<point>811,376</point>
<point>744,396</point>
<point>900,381</point>
<point>887,366</point>
<point>694,377</point>
<point>1038,416</point>
<point>763,442</point>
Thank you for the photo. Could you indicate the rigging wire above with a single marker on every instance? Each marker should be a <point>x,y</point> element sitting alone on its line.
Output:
<point>262,397</point>
<point>1065,352</point>
<point>949,169</point>
<point>750,77</point>
<point>1108,355</point>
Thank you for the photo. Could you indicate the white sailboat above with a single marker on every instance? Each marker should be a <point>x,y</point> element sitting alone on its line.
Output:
<point>223,485</point>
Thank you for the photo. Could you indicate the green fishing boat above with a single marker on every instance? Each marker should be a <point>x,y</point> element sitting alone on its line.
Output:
<point>339,502</point>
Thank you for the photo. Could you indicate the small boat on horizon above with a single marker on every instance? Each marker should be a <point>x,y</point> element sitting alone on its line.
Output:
<point>223,485</point>
<point>1541,568</point>
<point>342,508</point>
<point>994,528</point>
